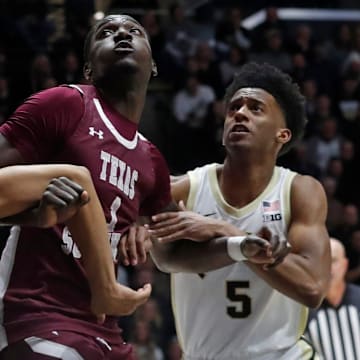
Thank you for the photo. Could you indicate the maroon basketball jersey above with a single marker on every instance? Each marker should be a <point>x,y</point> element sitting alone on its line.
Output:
<point>43,283</point>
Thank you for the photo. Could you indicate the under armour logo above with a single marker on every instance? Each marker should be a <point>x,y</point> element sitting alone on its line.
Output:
<point>99,133</point>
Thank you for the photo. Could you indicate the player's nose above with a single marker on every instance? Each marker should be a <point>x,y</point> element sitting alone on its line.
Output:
<point>241,113</point>
<point>122,34</point>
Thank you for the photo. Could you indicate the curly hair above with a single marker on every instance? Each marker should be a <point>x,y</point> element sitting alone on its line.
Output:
<point>282,88</point>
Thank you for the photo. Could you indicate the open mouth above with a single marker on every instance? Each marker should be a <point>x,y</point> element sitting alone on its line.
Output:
<point>239,128</point>
<point>123,46</point>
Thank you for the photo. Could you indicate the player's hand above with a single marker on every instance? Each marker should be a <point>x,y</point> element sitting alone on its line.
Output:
<point>280,246</point>
<point>175,225</point>
<point>119,300</point>
<point>257,250</point>
<point>134,245</point>
<point>61,200</point>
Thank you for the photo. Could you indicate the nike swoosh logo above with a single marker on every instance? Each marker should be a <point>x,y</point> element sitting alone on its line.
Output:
<point>210,214</point>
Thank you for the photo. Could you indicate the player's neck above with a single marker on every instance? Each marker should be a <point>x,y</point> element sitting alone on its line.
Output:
<point>336,293</point>
<point>242,184</point>
<point>247,169</point>
<point>129,104</point>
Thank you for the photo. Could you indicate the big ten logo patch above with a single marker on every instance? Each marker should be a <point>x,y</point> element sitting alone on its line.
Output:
<point>271,211</point>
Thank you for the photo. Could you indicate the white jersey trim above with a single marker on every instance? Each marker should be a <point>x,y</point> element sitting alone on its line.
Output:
<point>229,209</point>
<point>78,88</point>
<point>129,144</point>
<point>52,349</point>
<point>6,266</point>
<point>287,196</point>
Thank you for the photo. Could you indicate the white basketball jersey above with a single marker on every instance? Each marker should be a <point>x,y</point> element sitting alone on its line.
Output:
<point>231,313</point>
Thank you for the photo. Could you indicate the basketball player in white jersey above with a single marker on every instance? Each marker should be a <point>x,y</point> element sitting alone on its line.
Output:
<point>227,306</point>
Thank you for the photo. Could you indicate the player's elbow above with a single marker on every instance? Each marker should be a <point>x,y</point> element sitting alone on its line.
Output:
<point>161,259</point>
<point>81,175</point>
<point>315,294</point>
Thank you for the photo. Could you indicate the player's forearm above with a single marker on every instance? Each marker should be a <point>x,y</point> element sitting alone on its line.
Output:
<point>297,278</point>
<point>89,231</point>
<point>21,187</point>
<point>191,257</point>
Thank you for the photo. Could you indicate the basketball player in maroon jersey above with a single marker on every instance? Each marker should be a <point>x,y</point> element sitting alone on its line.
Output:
<point>45,296</point>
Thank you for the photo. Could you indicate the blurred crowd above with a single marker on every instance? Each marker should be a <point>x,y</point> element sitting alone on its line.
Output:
<point>197,54</point>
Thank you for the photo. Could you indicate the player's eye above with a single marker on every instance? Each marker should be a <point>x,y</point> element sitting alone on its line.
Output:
<point>135,31</point>
<point>256,108</point>
<point>107,32</point>
<point>234,107</point>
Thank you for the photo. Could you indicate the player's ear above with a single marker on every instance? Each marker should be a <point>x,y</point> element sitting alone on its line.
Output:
<point>283,136</point>
<point>154,70</point>
<point>87,71</point>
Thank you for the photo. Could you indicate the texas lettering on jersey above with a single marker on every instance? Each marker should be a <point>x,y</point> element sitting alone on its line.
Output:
<point>118,173</point>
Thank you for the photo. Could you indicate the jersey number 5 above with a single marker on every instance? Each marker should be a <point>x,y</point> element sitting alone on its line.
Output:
<point>243,308</point>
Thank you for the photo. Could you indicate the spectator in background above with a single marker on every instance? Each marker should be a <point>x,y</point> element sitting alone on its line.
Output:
<point>335,168</point>
<point>151,23</point>
<point>297,160</point>
<point>335,207</point>
<point>173,350</point>
<point>208,67</point>
<point>228,31</point>
<point>144,345</point>
<point>181,39</point>
<point>5,100</point>
<point>348,103</point>
<point>232,64</point>
<point>302,42</point>
<point>215,125</point>
<point>349,223</point>
<point>36,28</point>
<point>274,52</point>
<point>353,251</point>
<point>323,110</point>
<point>69,70</point>
<point>299,67</point>
<point>325,145</point>
<point>41,70</point>
<point>272,22</point>
<point>190,108</point>
<point>340,46</point>
<point>334,328</point>
<point>310,91</point>
<point>351,65</point>
<point>348,182</point>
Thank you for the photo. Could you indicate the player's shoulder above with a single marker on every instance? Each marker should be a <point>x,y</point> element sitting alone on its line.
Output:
<point>148,145</point>
<point>307,196</point>
<point>58,97</point>
<point>306,184</point>
<point>157,159</point>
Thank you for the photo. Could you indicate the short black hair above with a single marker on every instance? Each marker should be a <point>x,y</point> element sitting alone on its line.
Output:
<point>94,28</point>
<point>281,87</point>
